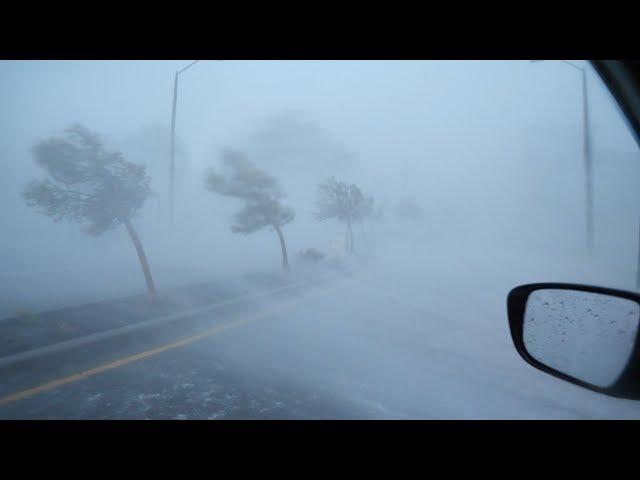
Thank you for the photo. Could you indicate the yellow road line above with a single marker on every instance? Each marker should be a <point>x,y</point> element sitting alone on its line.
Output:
<point>14,397</point>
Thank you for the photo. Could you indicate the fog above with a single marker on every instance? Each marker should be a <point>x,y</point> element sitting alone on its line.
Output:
<point>490,151</point>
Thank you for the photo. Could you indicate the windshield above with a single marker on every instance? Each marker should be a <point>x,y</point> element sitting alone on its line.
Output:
<point>301,239</point>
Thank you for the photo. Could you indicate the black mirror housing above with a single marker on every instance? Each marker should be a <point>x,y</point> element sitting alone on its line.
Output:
<point>530,338</point>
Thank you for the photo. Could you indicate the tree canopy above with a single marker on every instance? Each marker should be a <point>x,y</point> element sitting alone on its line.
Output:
<point>91,185</point>
<point>86,182</point>
<point>342,201</point>
<point>260,191</point>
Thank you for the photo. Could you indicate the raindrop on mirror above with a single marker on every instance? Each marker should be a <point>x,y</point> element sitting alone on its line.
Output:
<point>588,336</point>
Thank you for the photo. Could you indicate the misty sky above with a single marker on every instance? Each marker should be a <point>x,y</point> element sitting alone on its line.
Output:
<point>491,150</point>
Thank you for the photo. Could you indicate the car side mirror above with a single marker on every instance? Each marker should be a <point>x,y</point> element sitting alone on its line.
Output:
<point>582,334</point>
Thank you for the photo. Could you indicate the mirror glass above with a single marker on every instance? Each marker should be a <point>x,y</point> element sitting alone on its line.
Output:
<point>589,336</point>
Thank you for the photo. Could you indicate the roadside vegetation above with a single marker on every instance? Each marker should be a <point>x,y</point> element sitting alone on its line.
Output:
<point>260,192</point>
<point>345,203</point>
<point>88,184</point>
<point>98,188</point>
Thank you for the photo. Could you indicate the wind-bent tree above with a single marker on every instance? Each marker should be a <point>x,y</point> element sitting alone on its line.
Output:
<point>344,202</point>
<point>260,192</point>
<point>90,185</point>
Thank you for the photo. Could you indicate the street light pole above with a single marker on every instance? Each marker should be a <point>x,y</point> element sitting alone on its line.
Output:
<point>173,144</point>
<point>588,164</point>
<point>173,150</point>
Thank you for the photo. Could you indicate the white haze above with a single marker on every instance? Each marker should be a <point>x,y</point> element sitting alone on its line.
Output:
<point>491,150</point>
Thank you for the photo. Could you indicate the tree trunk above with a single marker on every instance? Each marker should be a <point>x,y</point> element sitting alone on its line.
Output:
<point>346,238</point>
<point>347,242</point>
<point>141,256</point>
<point>350,246</point>
<point>285,259</point>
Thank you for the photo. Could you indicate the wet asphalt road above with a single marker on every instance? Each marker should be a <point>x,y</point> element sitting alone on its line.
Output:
<point>344,350</point>
<point>219,376</point>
